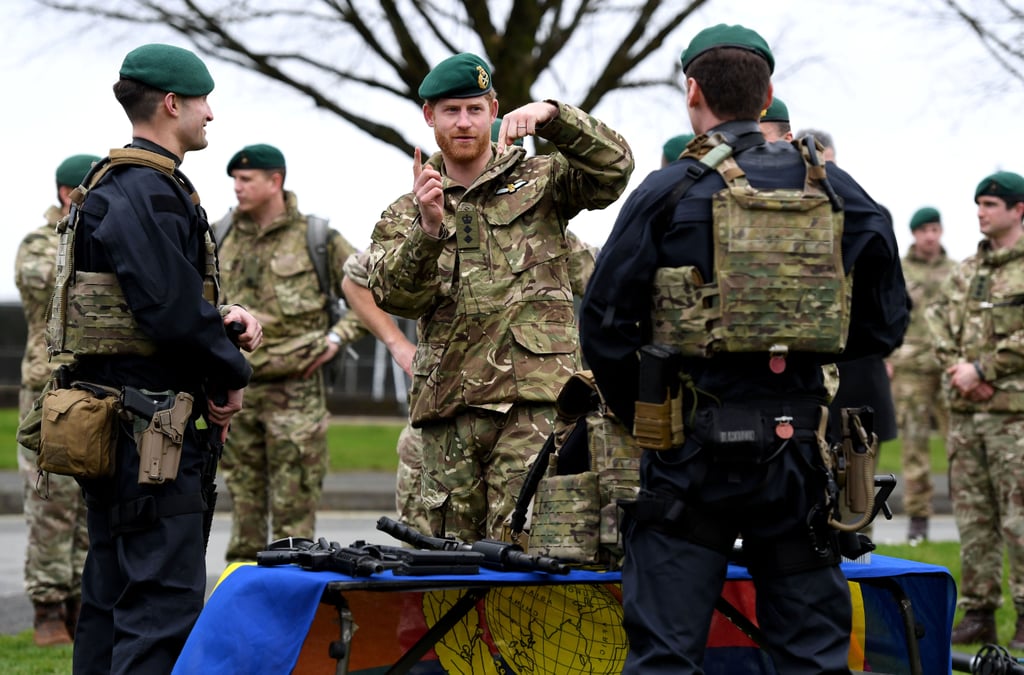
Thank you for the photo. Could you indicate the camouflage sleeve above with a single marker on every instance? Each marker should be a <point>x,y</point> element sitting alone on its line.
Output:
<point>594,164</point>
<point>403,265</point>
<point>945,319</point>
<point>356,268</point>
<point>581,262</point>
<point>34,275</point>
<point>349,327</point>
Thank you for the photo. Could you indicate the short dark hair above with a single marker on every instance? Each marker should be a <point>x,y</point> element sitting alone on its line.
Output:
<point>734,81</point>
<point>138,100</point>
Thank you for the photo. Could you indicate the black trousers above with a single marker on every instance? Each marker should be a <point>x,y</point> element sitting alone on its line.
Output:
<point>144,579</point>
<point>670,582</point>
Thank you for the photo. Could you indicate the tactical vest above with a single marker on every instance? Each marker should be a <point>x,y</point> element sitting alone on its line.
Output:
<point>592,464</point>
<point>779,282</point>
<point>89,314</point>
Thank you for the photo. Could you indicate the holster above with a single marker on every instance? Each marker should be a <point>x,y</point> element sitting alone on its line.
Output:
<point>160,444</point>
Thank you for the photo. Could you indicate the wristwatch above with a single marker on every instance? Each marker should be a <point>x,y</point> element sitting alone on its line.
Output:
<point>334,337</point>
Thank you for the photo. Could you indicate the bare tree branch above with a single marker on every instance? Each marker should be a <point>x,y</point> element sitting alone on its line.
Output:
<point>353,57</point>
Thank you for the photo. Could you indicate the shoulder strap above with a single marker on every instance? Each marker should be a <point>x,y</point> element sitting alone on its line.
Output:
<point>223,226</point>
<point>316,243</point>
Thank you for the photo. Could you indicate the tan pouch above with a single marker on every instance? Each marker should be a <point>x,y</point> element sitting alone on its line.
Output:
<point>78,433</point>
<point>29,429</point>
<point>567,512</point>
<point>160,444</point>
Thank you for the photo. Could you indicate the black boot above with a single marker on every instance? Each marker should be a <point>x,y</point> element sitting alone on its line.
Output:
<point>918,531</point>
<point>977,626</point>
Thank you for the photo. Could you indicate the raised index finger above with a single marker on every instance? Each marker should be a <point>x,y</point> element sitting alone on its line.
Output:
<point>417,165</point>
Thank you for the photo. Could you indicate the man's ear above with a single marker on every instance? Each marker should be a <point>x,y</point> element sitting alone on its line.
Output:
<point>428,114</point>
<point>172,104</point>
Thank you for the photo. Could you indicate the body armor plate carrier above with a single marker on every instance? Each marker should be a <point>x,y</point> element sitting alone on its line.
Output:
<point>779,286</point>
<point>89,314</point>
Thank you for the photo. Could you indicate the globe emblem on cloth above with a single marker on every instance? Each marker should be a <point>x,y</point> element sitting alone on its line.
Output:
<point>570,630</point>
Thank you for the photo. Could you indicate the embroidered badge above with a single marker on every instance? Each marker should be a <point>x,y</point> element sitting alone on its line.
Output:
<point>511,187</point>
<point>482,78</point>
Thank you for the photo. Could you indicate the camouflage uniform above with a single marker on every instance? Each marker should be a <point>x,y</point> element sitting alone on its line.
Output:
<point>495,309</point>
<point>917,382</point>
<point>410,441</point>
<point>276,455</point>
<point>57,535</point>
<point>977,318</point>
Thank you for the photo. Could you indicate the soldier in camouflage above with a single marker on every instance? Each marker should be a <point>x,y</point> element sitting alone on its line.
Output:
<point>276,458</point>
<point>58,538</point>
<point>917,376</point>
<point>477,252</point>
<point>410,441</point>
<point>977,325</point>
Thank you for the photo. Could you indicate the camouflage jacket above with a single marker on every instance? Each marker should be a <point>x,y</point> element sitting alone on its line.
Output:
<point>923,278</point>
<point>979,317</point>
<point>270,272</point>
<point>35,270</point>
<point>493,294</point>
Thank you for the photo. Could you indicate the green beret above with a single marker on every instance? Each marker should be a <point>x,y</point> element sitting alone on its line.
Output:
<point>727,36</point>
<point>923,216</point>
<point>72,170</point>
<point>461,76</point>
<point>259,156</point>
<point>1001,184</point>
<point>496,127</point>
<point>674,146</point>
<point>168,68</point>
<point>776,112</point>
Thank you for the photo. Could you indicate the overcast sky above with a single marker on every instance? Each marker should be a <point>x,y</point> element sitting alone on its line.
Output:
<point>919,114</point>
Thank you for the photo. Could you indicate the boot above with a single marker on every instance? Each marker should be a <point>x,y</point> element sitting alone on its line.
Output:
<point>49,625</point>
<point>918,531</point>
<point>72,608</point>
<point>1018,636</point>
<point>977,626</point>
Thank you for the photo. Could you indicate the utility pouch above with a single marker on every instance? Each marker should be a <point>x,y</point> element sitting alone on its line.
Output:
<point>160,444</point>
<point>733,435</point>
<point>658,414</point>
<point>30,427</point>
<point>860,447</point>
<point>78,431</point>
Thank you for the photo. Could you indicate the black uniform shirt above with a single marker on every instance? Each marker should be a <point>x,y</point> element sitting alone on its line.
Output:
<point>141,225</point>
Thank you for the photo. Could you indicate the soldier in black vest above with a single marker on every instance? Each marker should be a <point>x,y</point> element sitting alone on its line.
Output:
<point>751,462</point>
<point>140,236</point>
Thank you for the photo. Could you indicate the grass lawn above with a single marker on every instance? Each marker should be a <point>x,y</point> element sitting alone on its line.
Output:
<point>353,447</point>
<point>365,447</point>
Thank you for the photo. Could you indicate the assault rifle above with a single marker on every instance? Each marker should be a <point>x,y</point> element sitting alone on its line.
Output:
<point>363,560</point>
<point>497,555</point>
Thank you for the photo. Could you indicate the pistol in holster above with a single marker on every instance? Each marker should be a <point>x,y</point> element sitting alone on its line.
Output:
<point>658,412</point>
<point>160,443</point>
<point>859,449</point>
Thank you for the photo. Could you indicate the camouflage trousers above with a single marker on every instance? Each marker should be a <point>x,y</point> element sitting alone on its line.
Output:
<point>274,463</point>
<point>920,401</point>
<point>58,537</point>
<point>986,462</point>
<point>408,500</point>
<point>474,466</point>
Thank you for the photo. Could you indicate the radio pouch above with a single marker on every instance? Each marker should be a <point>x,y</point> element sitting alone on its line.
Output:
<point>78,432</point>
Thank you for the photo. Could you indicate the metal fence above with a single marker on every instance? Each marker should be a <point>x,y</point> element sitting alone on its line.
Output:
<point>366,380</point>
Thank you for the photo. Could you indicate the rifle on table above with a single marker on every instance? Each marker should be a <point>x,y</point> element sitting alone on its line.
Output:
<point>363,560</point>
<point>497,555</point>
